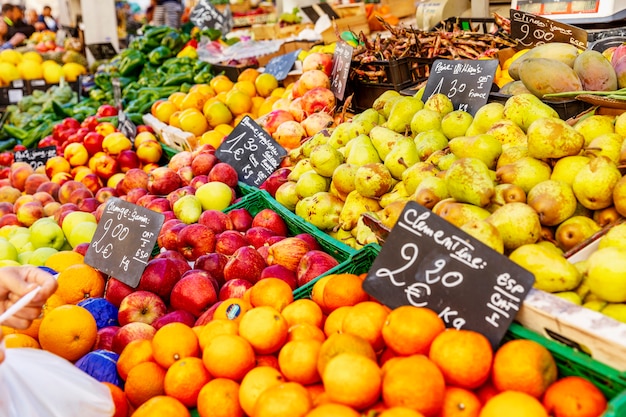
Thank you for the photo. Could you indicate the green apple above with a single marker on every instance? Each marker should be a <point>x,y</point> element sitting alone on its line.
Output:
<point>22,242</point>
<point>72,219</point>
<point>5,231</point>
<point>46,234</point>
<point>188,209</point>
<point>82,233</point>
<point>214,195</point>
<point>17,231</point>
<point>9,262</point>
<point>24,257</point>
<point>40,255</point>
<point>7,250</point>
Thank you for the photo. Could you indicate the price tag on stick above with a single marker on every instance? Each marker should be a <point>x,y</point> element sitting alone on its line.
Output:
<point>205,15</point>
<point>35,157</point>
<point>428,262</point>
<point>531,30</point>
<point>123,242</point>
<point>342,59</point>
<point>280,66</point>
<point>251,151</point>
<point>467,82</point>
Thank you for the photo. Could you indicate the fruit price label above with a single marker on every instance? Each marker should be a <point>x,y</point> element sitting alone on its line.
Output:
<point>204,15</point>
<point>251,151</point>
<point>122,244</point>
<point>342,59</point>
<point>466,82</point>
<point>530,30</point>
<point>102,51</point>
<point>35,157</point>
<point>280,66</point>
<point>428,262</point>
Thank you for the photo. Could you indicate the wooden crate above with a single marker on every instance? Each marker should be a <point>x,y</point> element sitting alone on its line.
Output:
<point>355,24</point>
<point>401,8</point>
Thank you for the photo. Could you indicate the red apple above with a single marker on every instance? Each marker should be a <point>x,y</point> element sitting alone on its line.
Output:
<point>245,263</point>
<point>130,332</point>
<point>99,211</point>
<point>310,239</point>
<point>167,225</point>
<point>269,219</point>
<point>134,194</point>
<point>317,122</point>
<point>214,264</point>
<point>168,238</point>
<point>216,220</point>
<point>275,180</point>
<point>90,122</point>
<point>159,277</point>
<point>92,182</point>
<point>141,306</point>
<point>225,173</point>
<point>195,240</point>
<point>319,99</point>
<point>173,255</point>
<point>274,239</point>
<point>195,293</point>
<point>168,215</point>
<point>175,195</point>
<point>116,290</point>
<point>106,110</point>
<point>258,236</point>
<point>176,316</point>
<point>229,241</point>
<point>282,273</point>
<point>51,188</point>
<point>82,249</point>
<point>313,264</point>
<point>287,252</point>
<point>235,288</point>
<point>318,61</point>
<point>89,204</point>
<point>63,211</point>
<point>163,180</point>
<point>43,197</point>
<point>179,160</point>
<point>105,336</point>
<point>159,204</point>
<point>207,316</point>
<point>93,142</point>
<point>104,193</point>
<point>202,163</point>
<point>127,160</point>
<point>144,200</point>
<point>186,175</point>
<point>134,178</point>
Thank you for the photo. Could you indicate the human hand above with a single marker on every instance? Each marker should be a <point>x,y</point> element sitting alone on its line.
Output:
<point>17,39</point>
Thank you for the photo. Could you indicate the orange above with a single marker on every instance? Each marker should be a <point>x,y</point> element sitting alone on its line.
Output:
<point>68,331</point>
<point>255,383</point>
<point>135,352</point>
<point>414,382</point>
<point>32,330</point>
<point>317,292</point>
<point>305,331</point>
<point>249,74</point>
<point>303,311</point>
<point>119,400</point>
<point>219,398</point>
<point>288,399</point>
<point>228,356</point>
<point>298,361</point>
<point>52,302</point>
<point>164,111</point>
<point>525,366</point>
<point>184,380</point>
<point>272,292</point>
<point>246,87</point>
<point>343,290</point>
<point>334,321</point>
<point>366,320</point>
<point>267,360</point>
<point>574,396</point>
<point>162,406</point>
<point>318,394</point>
<point>459,402</point>
<point>343,343</point>
<point>79,282</point>
<point>386,355</point>
<point>513,404</point>
<point>353,380</point>
<point>62,260</point>
<point>265,329</point>
<point>173,342</point>
<point>334,410</point>
<point>17,340</point>
<point>400,412</point>
<point>410,330</point>
<point>216,327</point>
<point>464,357</point>
<point>485,392</point>
<point>221,83</point>
<point>144,381</point>
<point>232,309</point>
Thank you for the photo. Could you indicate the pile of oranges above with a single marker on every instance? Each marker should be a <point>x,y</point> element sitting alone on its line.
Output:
<point>209,111</point>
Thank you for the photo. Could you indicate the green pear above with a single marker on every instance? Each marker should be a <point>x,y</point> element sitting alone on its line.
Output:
<point>311,183</point>
<point>429,141</point>
<point>615,311</point>
<point>595,305</point>
<point>362,123</point>
<point>322,210</point>
<point>460,213</point>
<point>320,138</point>
<point>565,169</point>
<point>295,155</point>
<point>554,201</point>
<point>440,103</point>
<point>606,216</point>
<point>386,109</point>
<point>468,181</point>
<point>574,230</point>
<point>615,237</point>
<point>334,191</point>
<point>549,137</point>
<point>525,172</point>
<point>620,124</point>
<point>554,248</point>
<point>524,109</point>
<point>553,273</point>
<point>287,196</point>
<point>345,237</point>
<point>511,154</point>
<point>517,223</point>
<point>456,123</point>
<point>431,191</point>
<point>384,140</point>
<point>609,145</point>
<point>389,215</point>
<point>425,119</point>
<point>340,136</point>
<point>606,274</point>
<point>302,166</point>
<point>360,151</point>
<point>594,183</point>
<point>373,180</point>
<point>446,161</point>
<point>343,178</point>
<point>571,296</point>
<point>325,159</point>
<point>413,175</point>
<point>508,133</point>
<point>485,232</point>
<point>594,125</point>
<point>381,100</point>
<point>583,289</point>
<point>484,147</point>
<point>402,155</point>
<point>353,207</point>
<point>619,196</point>
<point>398,193</point>
<point>486,117</point>
<point>402,112</point>
<point>508,193</point>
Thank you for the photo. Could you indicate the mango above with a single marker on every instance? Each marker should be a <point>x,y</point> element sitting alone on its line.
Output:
<point>595,71</point>
<point>543,76</point>
<point>514,87</point>
<point>564,52</point>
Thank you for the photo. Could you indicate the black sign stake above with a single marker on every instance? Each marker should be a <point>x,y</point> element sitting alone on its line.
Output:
<point>428,262</point>
<point>280,66</point>
<point>251,151</point>
<point>35,157</point>
<point>102,50</point>
<point>124,239</point>
<point>530,30</point>
<point>342,59</point>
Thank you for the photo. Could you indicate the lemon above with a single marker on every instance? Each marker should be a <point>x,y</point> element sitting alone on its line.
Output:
<point>72,70</point>
<point>11,56</point>
<point>8,72</point>
<point>30,70</point>
<point>52,73</point>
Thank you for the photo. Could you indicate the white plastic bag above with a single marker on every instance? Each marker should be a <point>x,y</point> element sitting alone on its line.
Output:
<point>37,383</point>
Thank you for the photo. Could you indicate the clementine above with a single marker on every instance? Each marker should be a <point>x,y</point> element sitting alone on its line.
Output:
<point>135,352</point>
<point>305,331</point>
<point>184,379</point>
<point>162,406</point>
<point>144,381</point>
<point>343,343</point>
<point>513,404</point>
<point>228,356</point>
<point>335,410</point>
<point>353,380</point>
<point>119,400</point>
<point>69,331</point>
<point>288,399</point>
<point>303,310</point>
<point>459,402</point>
<point>255,383</point>
<point>265,328</point>
<point>79,282</point>
<point>343,290</point>
<point>410,330</point>
<point>298,361</point>
<point>216,327</point>
<point>366,319</point>
<point>272,292</point>
<point>173,342</point>
<point>219,398</point>
<point>574,396</point>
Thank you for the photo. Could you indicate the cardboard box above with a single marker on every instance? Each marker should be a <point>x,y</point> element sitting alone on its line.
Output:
<point>401,8</point>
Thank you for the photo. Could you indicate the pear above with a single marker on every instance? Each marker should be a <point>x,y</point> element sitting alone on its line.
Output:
<point>571,296</point>
<point>508,193</point>
<point>484,147</point>
<point>334,191</point>
<point>605,216</point>
<point>429,141</point>
<point>363,234</point>
<point>517,223</point>
<point>414,175</point>
<point>402,155</point>
<point>322,210</point>
<point>511,154</point>
<point>575,230</point>
<point>566,168</point>
<point>485,232</point>
<point>360,151</point>
<point>431,191</point>
<point>553,273</point>
<point>402,112</point>
<point>615,311</point>
<point>468,181</point>
<point>287,196</point>
<point>595,305</point>
<point>381,100</point>
<point>340,136</point>
<point>609,145</point>
<point>594,125</point>
<point>615,237</point>
<point>554,248</point>
<point>553,138</point>
<point>302,166</point>
<point>296,154</point>
<point>373,180</point>
<point>343,177</point>
<point>389,215</point>
<point>619,196</point>
<point>311,183</point>
<point>425,119</point>
<point>436,156</point>
<point>362,123</point>
<point>508,133</point>
<point>622,153</point>
<point>460,213</point>
<point>486,117</point>
<point>456,123</point>
<point>525,172</point>
<point>320,138</point>
<point>554,201</point>
<point>345,237</point>
<point>446,161</point>
<point>353,207</point>
<point>386,109</point>
<point>524,109</point>
<point>384,140</point>
<point>398,193</point>
<point>438,208</point>
<point>606,274</point>
<point>440,103</point>
<point>594,183</point>
<point>325,159</point>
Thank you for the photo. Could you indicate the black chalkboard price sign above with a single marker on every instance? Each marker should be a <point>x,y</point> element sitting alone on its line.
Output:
<point>204,15</point>
<point>102,50</point>
<point>280,66</point>
<point>35,157</point>
<point>123,242</point>
<point>531,30</point>
<point>467,82</point>
<point>251,151</point>
<point>342,59</point>
<point>428,262</point>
